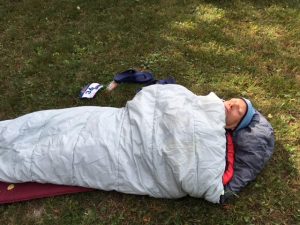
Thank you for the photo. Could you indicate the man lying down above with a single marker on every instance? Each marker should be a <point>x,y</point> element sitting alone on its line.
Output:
<point>167,143</point>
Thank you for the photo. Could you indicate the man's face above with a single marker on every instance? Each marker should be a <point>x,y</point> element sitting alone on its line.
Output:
<point>235,109</point>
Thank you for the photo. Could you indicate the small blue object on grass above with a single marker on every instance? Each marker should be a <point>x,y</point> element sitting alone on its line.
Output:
<point>169,80</point>
<point>133,76</point>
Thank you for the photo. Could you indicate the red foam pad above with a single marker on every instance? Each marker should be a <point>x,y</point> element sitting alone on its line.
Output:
<point>10,193</point>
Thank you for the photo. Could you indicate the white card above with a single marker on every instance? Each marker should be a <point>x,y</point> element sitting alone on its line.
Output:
<point>90,90</point>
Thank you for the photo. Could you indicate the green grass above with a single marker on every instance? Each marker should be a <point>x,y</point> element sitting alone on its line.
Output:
<point>50,49</point>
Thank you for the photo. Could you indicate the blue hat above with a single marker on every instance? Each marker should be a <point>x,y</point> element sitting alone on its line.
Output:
<point>250,111</point>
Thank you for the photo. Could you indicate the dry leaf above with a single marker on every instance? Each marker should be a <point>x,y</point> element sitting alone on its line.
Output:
<point>146,219</point>
<point>10,187</point>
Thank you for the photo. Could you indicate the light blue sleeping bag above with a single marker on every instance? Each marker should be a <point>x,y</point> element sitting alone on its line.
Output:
<point>166,142</point>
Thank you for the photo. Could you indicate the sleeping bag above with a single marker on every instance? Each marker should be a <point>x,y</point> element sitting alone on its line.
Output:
<point>167,142</point>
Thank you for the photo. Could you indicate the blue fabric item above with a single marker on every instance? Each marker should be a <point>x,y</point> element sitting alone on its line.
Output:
<point>133,76</point>
<point>169,80</point>
<point>248,116</point>
<point>254,146</point>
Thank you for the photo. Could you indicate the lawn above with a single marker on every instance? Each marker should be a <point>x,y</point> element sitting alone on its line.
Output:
<point>50,49</point>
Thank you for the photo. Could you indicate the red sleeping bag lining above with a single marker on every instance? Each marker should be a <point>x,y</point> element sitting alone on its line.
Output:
<point>229,171</point>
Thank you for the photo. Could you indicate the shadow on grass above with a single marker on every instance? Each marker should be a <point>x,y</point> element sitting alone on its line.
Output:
<point>219,40</point>
<point>202,45</point>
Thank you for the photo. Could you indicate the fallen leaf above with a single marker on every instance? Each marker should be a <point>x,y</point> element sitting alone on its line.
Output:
<point>270,115</point>
<point>10,187</point>
<point>146,219</point>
